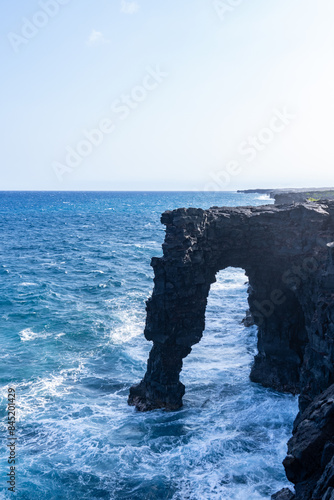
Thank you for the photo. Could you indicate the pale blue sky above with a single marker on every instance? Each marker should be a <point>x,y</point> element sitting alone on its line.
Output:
<point>252,86</point>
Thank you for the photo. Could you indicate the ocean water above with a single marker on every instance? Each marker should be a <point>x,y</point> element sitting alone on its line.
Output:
<point>75,273</point>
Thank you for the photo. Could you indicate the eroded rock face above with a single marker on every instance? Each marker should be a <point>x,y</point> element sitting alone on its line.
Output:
<point>310,460</point>
<point>284,494</point>
<point>290,266</point>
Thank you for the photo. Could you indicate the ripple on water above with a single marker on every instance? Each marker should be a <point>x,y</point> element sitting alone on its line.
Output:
<point>76,277</point>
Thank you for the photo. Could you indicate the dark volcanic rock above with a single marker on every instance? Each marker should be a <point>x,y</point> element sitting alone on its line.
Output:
<point>251,191</point>
<point>298,196</point>
<point>287,253</point>
<point>310,460</point>
<point>248,319</point>
<point>284,494</point>
<point>284,252</point>
<point>291,195</point>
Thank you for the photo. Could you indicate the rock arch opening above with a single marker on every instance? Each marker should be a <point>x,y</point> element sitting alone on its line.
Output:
<point>221,361</point>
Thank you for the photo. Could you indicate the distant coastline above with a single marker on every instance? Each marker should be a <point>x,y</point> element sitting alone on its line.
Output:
<point>294,195</point>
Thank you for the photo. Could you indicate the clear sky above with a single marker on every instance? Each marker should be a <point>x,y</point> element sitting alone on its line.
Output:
<point>166,95</point>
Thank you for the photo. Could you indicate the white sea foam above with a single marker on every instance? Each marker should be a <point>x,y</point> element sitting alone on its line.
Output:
<point>34,395</point>
<point>60,335</point>
<point>264,197</point>
<point>129,329</point>
<point>124,334</point>
<point>27,334</point>
<point>227,286</point>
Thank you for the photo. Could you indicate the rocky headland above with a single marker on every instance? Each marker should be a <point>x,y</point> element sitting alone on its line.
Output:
<point>287,252</point>
<point>287,196</point>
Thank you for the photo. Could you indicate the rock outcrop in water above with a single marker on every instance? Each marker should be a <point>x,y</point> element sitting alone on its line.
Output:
<point>287,253</point>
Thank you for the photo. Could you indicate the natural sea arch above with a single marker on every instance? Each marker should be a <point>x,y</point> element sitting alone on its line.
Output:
<point>287,252</point>
<point>198,245</point>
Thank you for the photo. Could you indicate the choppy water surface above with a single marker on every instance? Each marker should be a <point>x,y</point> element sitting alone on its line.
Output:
<point>75,275</point>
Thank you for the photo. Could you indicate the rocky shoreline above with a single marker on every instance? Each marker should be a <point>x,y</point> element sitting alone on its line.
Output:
<point>309,463</point>
<point>287,252</point>
<point>287,196</point>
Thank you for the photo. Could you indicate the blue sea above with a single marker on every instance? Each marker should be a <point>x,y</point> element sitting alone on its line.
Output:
<point>75,274</point>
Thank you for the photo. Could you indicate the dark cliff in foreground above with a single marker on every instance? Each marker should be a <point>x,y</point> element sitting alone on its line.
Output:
<point>287,253</point>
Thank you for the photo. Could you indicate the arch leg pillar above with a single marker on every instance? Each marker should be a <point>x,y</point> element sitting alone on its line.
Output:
<point>161,387</point>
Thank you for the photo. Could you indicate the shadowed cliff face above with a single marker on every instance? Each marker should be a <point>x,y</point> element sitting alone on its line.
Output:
<point>286,254</point>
